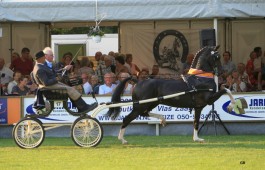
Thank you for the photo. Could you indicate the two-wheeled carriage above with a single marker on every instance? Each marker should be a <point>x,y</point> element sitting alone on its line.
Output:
<point>29,132</point>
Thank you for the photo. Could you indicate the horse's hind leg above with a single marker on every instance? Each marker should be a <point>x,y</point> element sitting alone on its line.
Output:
<point>196,125</point>
<point>158,116</point>
<point>126,121</point>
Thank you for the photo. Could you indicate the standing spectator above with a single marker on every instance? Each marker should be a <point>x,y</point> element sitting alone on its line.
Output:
<point>95,84</point>
<point>228,82</point>
<point>14,56</point>
<point>108,86</point>
<point>252,73</point>
<point>21,88</point>
<point>86,85</point>
<point>11,84</point>
<point>120,67</point>
<point>23,64</point>
<point>133,67</point>
<point>6,76</point>
<point>85,66</point>
<point>228,66</point>
<point>66,61</point>
<point>155,72</point>
<point>143,75</point>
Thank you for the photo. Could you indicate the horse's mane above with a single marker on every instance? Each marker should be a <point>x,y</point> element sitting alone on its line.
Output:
<point>202,52</point>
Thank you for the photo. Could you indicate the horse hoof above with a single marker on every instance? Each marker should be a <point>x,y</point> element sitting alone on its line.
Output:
<point>163,123</point>
<point>124,142</point>
<point>199,140</point>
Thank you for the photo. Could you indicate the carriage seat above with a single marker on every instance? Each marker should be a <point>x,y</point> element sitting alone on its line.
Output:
<point>55,94</point>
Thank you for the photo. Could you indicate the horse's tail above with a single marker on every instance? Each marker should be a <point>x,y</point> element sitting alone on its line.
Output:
<point>114,112</point>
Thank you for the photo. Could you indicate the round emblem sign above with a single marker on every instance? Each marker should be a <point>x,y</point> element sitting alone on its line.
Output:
<point>170,49</point>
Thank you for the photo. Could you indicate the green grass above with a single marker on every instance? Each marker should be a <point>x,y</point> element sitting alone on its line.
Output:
<point>143,152</point>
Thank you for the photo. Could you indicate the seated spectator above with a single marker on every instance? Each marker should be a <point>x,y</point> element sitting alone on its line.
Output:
<point>155,72</point>
<point>11,84</point>
<point>95,84</point>
<point>86,85</point>
<point>21,88</point>
<point>228,66</point>
<point>238,85</point>
<point>228,83</point>
<point>6,76</point>
<point>23,64</point>
<point>128,87</point>
<point>108,86</point>
<point>143,75</point>
<point>244,76</point>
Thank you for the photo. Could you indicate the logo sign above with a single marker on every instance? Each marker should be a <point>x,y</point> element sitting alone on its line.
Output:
<point>170,49</point>
<point>3,111</point>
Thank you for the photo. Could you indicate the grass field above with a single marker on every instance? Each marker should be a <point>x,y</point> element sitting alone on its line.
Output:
<point>143,152</point>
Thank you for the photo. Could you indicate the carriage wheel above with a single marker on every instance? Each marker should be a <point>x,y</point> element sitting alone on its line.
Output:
<point>87,132</point>
<point>28,133</point>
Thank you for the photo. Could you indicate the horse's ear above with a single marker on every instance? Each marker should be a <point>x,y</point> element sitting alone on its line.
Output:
<point>216,47</point>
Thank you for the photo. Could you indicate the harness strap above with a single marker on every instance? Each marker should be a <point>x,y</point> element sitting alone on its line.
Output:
<point>200,73</point>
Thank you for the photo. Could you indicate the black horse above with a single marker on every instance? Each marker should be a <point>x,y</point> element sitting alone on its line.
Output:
<point>199,87</point>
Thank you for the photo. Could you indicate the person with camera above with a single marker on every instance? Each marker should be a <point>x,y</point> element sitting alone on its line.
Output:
<point>44,77</point>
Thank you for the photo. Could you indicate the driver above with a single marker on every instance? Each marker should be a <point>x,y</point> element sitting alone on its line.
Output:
<point>45,77</point>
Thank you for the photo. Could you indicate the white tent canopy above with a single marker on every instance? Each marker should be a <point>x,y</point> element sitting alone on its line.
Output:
<point>129,10</point>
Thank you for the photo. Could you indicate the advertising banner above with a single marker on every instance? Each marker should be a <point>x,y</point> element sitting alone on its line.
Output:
<point>255,110</point>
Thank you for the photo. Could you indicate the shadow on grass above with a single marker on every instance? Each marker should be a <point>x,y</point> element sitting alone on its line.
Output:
<point>222,141</point>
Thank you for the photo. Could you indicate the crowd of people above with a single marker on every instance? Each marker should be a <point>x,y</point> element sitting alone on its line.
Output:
<point>103,75</point>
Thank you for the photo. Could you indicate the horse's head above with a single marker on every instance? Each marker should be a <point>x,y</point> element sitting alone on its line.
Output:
<point>208,60</point>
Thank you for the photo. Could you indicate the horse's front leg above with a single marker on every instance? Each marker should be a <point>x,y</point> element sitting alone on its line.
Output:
<point>126,121</point>
<point>232,103</point>
<point>196,125</point>
<point>121,136</point>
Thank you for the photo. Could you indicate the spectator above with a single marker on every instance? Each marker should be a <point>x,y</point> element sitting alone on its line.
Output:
<point>21,88</point>
<point>23,64</point>
<point>187,64</point>
<point>66,61</point>
<point>143,75</point>
<point>155,72</point>
<point>14,56</point>
<point>228,83</point>
<point>228,66</point>
<point>243,75</point>
<point>11,84</point>
<point>95,84</point>
<point>133,67</point>
<point>6,76</point>
<point>252,74</point>
<point>120,67</point>
<point>108,86</point>
<point>85,66</point>
<point>238,85</point>
<point>128,87</point>
<point>86,85</point>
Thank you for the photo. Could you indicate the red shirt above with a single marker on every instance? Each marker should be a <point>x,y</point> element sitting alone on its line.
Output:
<point>249,70</point>
<point>25,67</point>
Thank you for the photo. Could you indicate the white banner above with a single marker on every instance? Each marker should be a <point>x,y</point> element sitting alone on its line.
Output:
<point>254,112</point>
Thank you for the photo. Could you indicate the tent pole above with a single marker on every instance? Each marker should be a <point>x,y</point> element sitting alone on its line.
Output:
<point>215,26</point>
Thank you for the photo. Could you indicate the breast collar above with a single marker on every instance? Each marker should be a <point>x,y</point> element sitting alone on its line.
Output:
<point>200,73</point>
